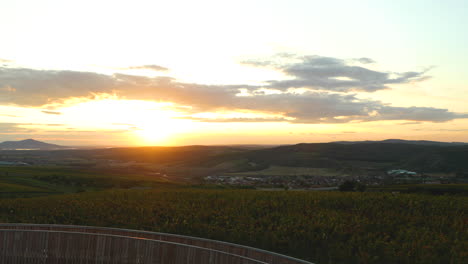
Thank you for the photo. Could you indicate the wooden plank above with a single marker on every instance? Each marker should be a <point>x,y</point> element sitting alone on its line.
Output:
<point>102,244</point>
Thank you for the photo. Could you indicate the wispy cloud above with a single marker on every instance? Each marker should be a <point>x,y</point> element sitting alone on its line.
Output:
<point>9,128</point>
<point>410,123</point>
<point>237,119</point>
<point>442,129</point>
<point>55,125</point>
<point>152,67</point>
<point>51,112</point>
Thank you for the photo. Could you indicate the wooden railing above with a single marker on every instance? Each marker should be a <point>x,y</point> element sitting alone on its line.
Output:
<point>33,243</point>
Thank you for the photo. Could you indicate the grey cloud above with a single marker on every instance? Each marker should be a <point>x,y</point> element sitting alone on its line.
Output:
<point>327,73</point>
<point>417,114</point>
<point>364,60</point>
<point>29,87</point>
<point>311,107</point>
<point>322,107</point>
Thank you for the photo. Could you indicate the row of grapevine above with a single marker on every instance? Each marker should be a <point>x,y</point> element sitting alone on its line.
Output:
<point>323,227</point>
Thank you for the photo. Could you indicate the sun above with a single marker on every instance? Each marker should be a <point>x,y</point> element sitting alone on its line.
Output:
<point>153,135</point>
<point>143,122</point>
<point>159,131</point>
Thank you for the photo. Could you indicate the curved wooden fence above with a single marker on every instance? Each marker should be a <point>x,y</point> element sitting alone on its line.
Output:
<point>34,243</point>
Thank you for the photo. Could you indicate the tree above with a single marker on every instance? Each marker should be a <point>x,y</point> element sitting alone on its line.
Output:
<point>352,186</point>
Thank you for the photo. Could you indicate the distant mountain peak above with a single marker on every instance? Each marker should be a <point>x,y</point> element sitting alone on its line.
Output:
<point>29,140</point>
<point>31,144</point>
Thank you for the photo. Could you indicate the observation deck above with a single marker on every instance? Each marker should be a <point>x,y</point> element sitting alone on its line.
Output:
<point>63,244</point>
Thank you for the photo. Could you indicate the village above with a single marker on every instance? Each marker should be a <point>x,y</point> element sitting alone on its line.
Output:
<point>395,176</point>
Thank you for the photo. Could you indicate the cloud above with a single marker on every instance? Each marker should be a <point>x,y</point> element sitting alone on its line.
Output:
<point>322,107</point>
<point>417,114</point>
<point>237,119</point>
<point>328,99</point>
<point>5,62</point>
<point>411,123</point>
<point>55,125</point>
<point>441,130</point>
<point>149,67</point>
<point>30,87</point>
<point>332,74</point>
<point>51,112</point>
<point>364,60</point>
<point>12,128</point>
<point>7,127</point>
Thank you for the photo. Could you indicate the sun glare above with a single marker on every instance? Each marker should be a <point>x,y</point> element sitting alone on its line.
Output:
<point>145,122</point>
<point>159,131</point>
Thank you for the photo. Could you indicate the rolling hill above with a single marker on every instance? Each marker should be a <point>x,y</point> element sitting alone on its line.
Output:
<point>402,141</point>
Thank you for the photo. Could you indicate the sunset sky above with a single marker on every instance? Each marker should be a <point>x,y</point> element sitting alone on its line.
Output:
<point>128,73</point>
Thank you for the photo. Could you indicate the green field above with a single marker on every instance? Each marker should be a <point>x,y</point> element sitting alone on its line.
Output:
<point>292,171</point>
<point>37,180</point>
<point>434,189</point>
<point>325,227</point>
<point>9,187</point>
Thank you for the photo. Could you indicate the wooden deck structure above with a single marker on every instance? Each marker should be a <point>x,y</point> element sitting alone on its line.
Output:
<point>63,244</point>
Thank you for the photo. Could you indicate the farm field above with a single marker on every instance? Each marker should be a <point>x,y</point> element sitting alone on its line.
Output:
<point>46,180</point>
<point>325,227</point>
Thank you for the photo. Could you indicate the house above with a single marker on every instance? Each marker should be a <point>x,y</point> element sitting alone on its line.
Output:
<point>400,172</point>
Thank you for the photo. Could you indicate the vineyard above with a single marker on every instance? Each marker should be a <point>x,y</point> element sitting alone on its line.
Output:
<point>325,227</point>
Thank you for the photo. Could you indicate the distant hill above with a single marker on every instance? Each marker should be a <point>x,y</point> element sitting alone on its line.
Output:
<point>402,141</point>
<point>29,144</point>
<point>368,156</point>
<point>374,156</point>
<point>350,158</point>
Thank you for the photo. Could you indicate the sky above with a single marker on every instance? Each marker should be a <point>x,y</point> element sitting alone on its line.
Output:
<point>133,73</point>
